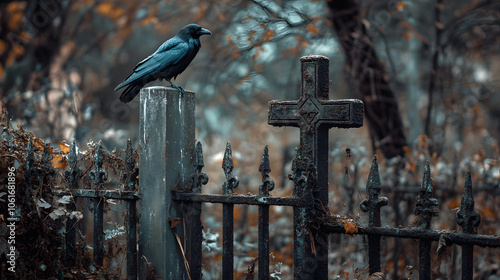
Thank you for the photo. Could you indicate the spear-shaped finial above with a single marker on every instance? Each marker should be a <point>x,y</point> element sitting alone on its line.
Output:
<point>265,169</point>
<point>467,217</point>
<point>425,203</point>
<point>228,165</point>
<point>373,203</point>
<point>99,175</point>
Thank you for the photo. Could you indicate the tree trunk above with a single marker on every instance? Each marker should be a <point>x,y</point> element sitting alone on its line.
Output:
<point>381,106</point>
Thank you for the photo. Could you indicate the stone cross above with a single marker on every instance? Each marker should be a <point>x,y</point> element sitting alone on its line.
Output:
<point>314,113</point>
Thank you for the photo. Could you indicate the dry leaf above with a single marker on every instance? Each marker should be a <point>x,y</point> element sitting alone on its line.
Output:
<point>400,6</point>
<point>350,227</point>
<point>65,148</point>
<point>175,221</point>
<point>60,162</point>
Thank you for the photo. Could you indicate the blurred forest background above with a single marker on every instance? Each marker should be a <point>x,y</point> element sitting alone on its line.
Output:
<point>428,72</point>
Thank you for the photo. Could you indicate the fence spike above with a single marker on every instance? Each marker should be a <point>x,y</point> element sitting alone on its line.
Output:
<point>425,203</point>
<point>265,165</point>
<point>373,203</point>
<point>265,169</point>
<point>199,178</point>
<point>374,177</point>
<point>73,172</point>
<point>227,161</point>
<point>98,175</point>
<point>228,165</point>
<point>467,217</point>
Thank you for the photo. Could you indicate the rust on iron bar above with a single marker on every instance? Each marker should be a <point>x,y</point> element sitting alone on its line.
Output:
<point>112,194</point>
<point>241,199</point>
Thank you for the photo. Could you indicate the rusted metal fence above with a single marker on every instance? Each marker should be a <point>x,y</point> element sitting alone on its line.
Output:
<point>314,113</point>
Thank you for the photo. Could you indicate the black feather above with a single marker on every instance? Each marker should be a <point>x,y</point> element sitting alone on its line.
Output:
<point>169,60</point>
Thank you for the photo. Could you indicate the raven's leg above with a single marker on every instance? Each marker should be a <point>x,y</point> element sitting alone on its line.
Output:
<point>174,86</point>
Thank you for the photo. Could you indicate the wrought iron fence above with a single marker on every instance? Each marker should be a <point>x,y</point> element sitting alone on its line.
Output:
<point>314,114</point>
<point>97,194</point>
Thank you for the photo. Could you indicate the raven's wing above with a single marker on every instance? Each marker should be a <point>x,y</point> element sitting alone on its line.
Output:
<point>169,53</point>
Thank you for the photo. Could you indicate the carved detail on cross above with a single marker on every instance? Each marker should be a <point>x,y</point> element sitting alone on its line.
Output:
<point>314,108</point>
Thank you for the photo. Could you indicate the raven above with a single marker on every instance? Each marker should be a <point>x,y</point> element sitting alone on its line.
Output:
<point>169,60</point>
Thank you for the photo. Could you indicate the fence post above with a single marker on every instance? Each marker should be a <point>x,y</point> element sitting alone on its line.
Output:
<point>166,143</point>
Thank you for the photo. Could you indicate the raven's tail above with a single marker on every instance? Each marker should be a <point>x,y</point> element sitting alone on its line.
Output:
<point>130,92</point>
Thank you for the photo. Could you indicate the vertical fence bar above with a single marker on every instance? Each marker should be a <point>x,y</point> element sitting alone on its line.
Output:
<point>426,205</point>
<point>166,138</point>
<point>227,215</point>
<point>72,175</point>
<point>131,173</point>
<point>372,205</point>
<point>98,175</point>
<point>192,217</point>
<point>267,185</point>
<point>469,220</point>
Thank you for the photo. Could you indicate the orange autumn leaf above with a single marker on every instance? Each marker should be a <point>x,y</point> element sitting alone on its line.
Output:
<point>350,227</point>
<point>407,150</point>
<point>3,47</point>
<point>108,9</point>
<point>39,143</point>
<point>105,8</point>
<point>148,20</point>
<point>60,162</point>
<point>400,6</point>
<point>15,15</point>
<point>64,147</point>
<point>454,203</point>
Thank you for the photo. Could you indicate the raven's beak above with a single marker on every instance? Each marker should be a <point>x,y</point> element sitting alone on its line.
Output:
<point>204,31</point>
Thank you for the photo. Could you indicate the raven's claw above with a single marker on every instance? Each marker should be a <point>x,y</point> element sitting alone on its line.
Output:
<point>179,88</point>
